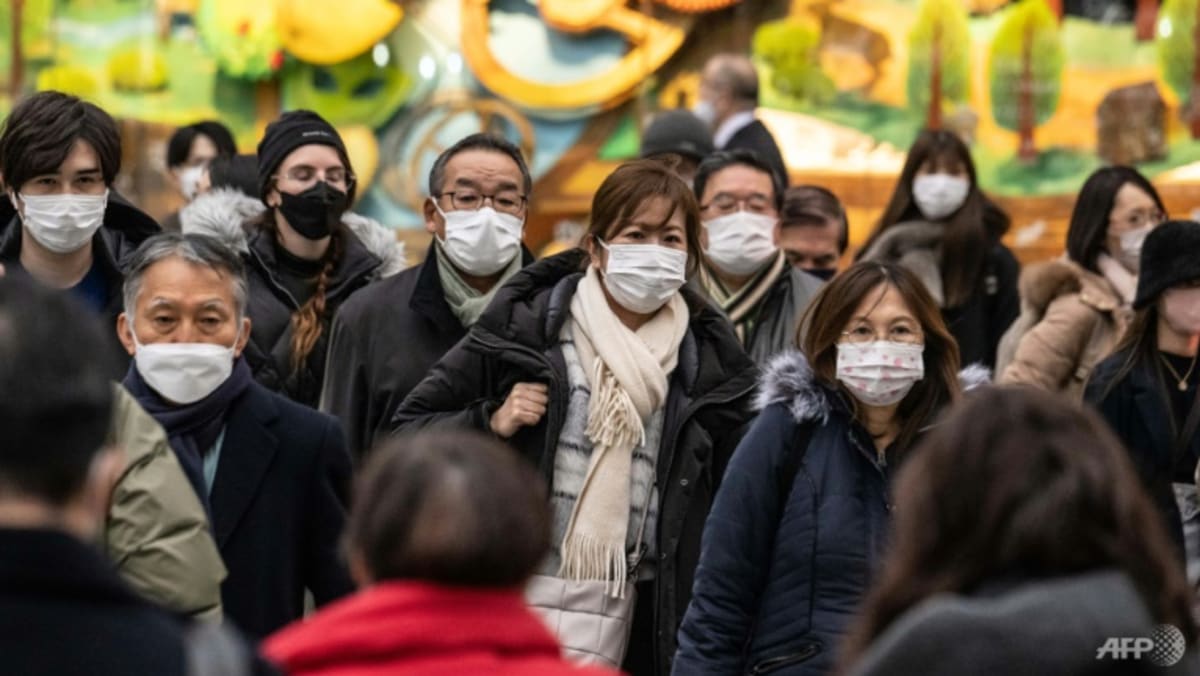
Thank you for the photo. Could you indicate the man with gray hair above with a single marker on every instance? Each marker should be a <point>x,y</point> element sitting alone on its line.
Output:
<point>728,97</point>
<point>385,338</point>
<point>273,474</point>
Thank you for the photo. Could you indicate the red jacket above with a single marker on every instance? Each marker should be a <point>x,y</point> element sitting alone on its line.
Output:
<point>415,628</point>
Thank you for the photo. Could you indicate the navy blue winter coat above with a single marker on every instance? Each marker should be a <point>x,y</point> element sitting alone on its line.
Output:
<point>778,584</point>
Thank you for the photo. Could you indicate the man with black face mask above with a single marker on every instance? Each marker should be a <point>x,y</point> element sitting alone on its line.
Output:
<point>385,339</point>
<point>303,261</point>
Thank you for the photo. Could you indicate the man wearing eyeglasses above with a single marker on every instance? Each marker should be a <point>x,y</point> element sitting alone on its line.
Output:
<point>385,339</point>
<point>745,273</point>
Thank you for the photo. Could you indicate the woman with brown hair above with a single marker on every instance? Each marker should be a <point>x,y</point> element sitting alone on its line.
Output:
<point>446,528</point>
<point>1023,544</point>
<point>627,390</point>
<point>800,521</point>
<point>303,258</point>
<point>1147,390</point>
<point>937,225</point>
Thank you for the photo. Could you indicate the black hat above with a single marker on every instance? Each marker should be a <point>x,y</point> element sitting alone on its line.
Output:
<point>293,129</point>
<point>1170,257</point>
<point>680,132</point>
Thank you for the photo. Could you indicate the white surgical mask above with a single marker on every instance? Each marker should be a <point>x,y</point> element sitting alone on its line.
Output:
<point>1130,254</point>
<point>183,373</point>
<point>643,277</point>
<point>939,195</point>
<point>880,373</point>
<point>189,182</point>
<point>481,242</point>
<point>706,111</point>
<point>63,223</point>
<point>741,243</point>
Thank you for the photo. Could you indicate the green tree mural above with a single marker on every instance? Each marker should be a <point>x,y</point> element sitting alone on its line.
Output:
<point>1027,61</point>
<point>790,48</point>
<point>939,60</point>
<point>1178,31</point>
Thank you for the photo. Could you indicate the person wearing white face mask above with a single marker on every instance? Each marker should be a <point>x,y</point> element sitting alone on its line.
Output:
<point>626,388</point>
<point>939,225</point>
<point>60,221</point>
<point>384,339</point>
<point>273,474</point>
<point>1075,309</point>
<point>800,521</point>
<point>745,272</point>
<point>190,150</point>
<point>1147,389</point>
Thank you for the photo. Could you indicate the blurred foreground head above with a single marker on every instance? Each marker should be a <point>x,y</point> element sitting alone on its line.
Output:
<point>450,508</point>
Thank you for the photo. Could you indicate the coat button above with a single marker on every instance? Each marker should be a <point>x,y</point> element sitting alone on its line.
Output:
<point>683,482</point>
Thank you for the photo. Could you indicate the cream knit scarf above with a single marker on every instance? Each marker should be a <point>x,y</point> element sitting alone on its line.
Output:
<point>628,375</point>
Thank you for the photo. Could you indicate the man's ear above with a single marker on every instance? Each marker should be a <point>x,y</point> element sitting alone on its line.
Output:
<point>106,469</point>
<point>434,223</point>
<point>243,337</point>
<point>125,333</point>
<point>359,572</point>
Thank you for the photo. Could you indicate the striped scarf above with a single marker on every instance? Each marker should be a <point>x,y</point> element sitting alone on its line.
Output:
<point>742,306</point>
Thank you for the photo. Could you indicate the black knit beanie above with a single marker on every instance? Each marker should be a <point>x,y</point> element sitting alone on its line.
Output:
<point>294,129</point>
<point>1170,257</point>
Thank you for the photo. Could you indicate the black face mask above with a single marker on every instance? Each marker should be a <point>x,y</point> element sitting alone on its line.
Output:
<point>822,273</point>
<point>315,212</point>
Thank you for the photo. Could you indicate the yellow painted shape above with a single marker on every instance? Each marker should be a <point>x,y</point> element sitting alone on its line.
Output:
<point>652,43</point>
<point>324,33</point>
<point>363,150</point>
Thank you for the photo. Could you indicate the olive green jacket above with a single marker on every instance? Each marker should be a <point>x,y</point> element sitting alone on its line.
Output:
<point>157,532</point>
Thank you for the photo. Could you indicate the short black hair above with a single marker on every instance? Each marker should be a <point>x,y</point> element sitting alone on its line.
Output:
<point>41,131</point>
<point>239,172</point>
<point>55,395</point>
<point>480,141</point>
<point>723,159</point>
<point>180,144</point>
<point>454,508</point>
<point>814,205</point>
<point>1088,229</point>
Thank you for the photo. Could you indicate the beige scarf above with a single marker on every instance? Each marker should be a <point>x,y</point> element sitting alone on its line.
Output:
<point>1122,280</point>
<point>628,375</point>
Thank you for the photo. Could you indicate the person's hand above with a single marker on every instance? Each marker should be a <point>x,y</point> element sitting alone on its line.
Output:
<point>524,407</point>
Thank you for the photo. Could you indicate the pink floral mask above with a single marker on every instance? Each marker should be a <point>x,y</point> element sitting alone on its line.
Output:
<point>880,373</point>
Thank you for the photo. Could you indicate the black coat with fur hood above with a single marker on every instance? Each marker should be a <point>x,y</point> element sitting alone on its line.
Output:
<point>369,252</point>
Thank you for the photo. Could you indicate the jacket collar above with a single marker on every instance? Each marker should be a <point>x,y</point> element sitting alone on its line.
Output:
<point>1042,283</point>
<point>249,447</point>
<point>414,621</point>
<point>429,298</point>
<point>789,379</point>
<point>102,256</point>
<point>356,261</point>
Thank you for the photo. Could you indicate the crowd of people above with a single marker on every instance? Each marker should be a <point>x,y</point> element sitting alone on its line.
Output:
<point>250,440</point>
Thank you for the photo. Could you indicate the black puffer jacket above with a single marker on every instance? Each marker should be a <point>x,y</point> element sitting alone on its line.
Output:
<point>271,306</point>
<point>125,227</point>
<point>706,411</point>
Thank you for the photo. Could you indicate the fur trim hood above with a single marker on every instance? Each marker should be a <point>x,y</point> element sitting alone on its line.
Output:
<point>1042,283</point>
<point>789,379</point>
<point>221,213</point>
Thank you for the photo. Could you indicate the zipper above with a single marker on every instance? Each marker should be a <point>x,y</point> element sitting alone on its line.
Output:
<point>806,653</point>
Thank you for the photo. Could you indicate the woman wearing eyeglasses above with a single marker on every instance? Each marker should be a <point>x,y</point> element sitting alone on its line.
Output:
<point>1147,390</point>
<point>1075,309</point>
<point>628,391</point>
<point>799,522</point>
<point>303,260</point>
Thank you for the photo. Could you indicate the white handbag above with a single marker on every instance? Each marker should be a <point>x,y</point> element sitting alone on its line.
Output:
<point>592,626</point>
